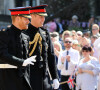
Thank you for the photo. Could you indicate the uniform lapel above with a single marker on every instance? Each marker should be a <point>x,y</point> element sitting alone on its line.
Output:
<point>42,33</point>
<point>26,41</point>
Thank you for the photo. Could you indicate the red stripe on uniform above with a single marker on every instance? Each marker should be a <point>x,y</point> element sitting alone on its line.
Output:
<point>38,10</point>
<point>19,12</point>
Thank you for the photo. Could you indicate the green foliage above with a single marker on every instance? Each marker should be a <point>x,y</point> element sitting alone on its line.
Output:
<point>65,9</point>
<point>75,28</point>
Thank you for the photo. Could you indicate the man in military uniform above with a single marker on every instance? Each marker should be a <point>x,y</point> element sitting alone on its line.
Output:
<point>14,51</point>
<point>41,46</point>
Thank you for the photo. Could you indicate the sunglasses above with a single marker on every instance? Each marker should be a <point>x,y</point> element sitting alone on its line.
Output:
<point>68,42</point>
<point>86,34</point>
<point>85,51</point>
<point>94,29</point>
<point>53,35</point>
<point>79,34</point>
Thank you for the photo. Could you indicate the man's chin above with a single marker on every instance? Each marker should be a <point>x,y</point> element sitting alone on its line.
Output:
<point>68,47</point>
<point>41,25</point>
<point>25,28</point>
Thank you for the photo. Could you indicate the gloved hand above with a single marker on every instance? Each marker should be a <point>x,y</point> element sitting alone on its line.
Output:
<point>29,60</point>
<point>56,84</point>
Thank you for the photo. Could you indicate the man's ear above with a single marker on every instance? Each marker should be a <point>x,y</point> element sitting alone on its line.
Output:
<point>17,18</point>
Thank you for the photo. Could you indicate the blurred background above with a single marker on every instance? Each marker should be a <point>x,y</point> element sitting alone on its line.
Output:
<point>86,12</point>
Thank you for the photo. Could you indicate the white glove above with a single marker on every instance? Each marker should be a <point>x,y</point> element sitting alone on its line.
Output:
<point>29,60</point>
<point>55,83</point>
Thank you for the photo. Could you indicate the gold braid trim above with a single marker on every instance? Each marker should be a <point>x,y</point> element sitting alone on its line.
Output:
<point>36,39</point>
<point>40,43</point>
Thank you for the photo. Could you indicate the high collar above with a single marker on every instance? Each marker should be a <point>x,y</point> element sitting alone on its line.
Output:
<point>15,30</point>
<point>32,28</point>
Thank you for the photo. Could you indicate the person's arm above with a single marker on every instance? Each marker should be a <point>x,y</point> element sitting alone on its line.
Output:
<point>95,71</point>
<point>5,56</point>
<point>75,59</point>
<point>92,72</point>
<point>92,52</point>
<point>88,71</point>
<point>8,58</point>
<point>80,71</point>
<point>56,52</point>
<point>60,64</point>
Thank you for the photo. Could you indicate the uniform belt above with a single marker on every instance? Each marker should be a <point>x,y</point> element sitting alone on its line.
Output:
<point>7,66</point>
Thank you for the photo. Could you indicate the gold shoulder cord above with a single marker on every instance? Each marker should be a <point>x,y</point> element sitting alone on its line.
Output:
<point>36,39</point>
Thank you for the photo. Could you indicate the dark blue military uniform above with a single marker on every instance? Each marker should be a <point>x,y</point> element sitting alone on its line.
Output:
<point>13,51</point>
<point>38,72</point>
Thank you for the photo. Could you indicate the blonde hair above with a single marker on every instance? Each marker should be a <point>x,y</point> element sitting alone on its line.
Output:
<point>96,25</point>
<point>57,43</point>
<point>67,31</point>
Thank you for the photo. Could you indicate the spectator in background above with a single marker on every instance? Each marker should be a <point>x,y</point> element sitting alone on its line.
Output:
<point>97,47</point>
<point>60,38</point>
<point>67,61</point>
<point>59,25</point>
<point>57,48</point>
<point>74,23</point>
<point>87,71</point>
<point>95,30</point>
<point>74,35</point>
<point>76,45</point>
<point>93,39</point>
<point>79,36</point>
<point>79,33</point>
<point>65,34</point>
<point>86,34</point>
<point>91,22</point>
<point>50,26</point>
<point>54,36</point>
<point>85,41</point>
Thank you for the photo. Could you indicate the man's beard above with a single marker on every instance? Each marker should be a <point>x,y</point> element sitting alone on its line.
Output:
<point>67,46</point>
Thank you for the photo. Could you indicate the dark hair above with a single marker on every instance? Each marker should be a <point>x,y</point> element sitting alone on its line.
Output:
<point>86,48</point>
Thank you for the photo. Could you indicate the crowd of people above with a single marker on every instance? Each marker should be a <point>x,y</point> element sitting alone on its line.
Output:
<point>74,23</point>
<point>81,52</point>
